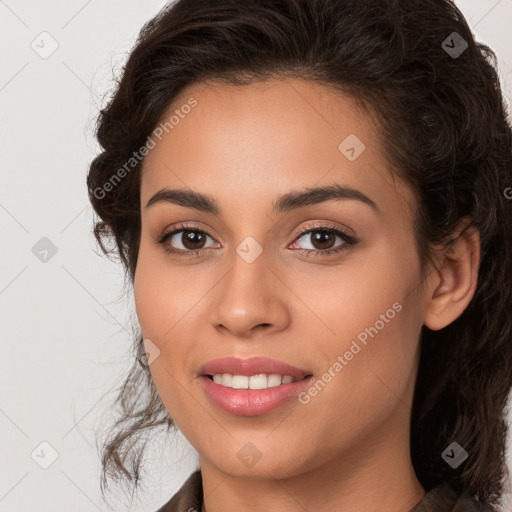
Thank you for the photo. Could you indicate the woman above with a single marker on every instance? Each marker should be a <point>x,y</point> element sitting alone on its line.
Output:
<point>310,200</point>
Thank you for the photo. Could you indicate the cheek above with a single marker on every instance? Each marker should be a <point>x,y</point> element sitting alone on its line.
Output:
<point>148,304</point>
<point>168,307</point>
<point>163,294</point>
<point>351,297</point>
<point>373,319</point>
<point>160,305</point>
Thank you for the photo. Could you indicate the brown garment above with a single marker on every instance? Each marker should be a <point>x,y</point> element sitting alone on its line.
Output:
<point>189,498</point>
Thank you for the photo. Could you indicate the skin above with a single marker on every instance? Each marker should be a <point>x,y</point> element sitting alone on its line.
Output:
<point>348,448</point>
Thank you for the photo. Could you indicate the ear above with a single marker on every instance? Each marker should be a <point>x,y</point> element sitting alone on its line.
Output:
<point>453,281</point>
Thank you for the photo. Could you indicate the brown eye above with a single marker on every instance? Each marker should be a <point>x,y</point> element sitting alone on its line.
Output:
<point>322,241</point>
<point>185,241</point>
<point>192,239</point>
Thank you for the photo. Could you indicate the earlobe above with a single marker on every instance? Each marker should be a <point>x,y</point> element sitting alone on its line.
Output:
<point>455,280</point>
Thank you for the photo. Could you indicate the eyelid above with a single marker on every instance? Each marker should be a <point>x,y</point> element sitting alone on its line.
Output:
<point>323,225</point>
<point>179,226</point>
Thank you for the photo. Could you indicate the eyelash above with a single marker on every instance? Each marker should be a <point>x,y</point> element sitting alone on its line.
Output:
<point>349,241</point>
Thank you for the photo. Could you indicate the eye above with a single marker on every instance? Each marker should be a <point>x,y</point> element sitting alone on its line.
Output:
<point>185,241</point>
<point>323,240</point>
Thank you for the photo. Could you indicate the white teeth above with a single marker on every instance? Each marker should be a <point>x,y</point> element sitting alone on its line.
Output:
<point>227,379</point>
<point>260,381</point>
<point>274,380</point>
<point>240,382</point>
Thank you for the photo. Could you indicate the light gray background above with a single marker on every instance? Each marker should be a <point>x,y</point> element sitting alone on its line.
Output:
<point>65,324</point>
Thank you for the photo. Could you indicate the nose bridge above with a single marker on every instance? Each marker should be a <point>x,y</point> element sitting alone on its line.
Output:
<point>249,296</point>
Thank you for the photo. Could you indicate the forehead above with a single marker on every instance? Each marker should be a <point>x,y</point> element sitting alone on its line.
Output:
<point>260,140</point>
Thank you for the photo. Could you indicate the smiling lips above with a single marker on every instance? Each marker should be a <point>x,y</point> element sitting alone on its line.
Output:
<point>251,366</point>
<point>252,386</point>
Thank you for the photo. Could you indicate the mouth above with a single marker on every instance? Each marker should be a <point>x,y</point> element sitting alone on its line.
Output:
<point>253,395</point>
<point>257,381</point>
<point>251,372</point>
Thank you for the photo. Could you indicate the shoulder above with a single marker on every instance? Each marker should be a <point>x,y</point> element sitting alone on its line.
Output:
<point>189,497</point>
<point>443,498</point>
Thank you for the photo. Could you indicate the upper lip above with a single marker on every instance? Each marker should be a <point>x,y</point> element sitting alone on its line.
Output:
<point>251,366</point>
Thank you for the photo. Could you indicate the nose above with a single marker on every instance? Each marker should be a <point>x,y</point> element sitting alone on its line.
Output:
<point>250,299</point>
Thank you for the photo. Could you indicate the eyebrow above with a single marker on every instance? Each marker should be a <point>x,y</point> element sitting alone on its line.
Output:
<point>290,201</point>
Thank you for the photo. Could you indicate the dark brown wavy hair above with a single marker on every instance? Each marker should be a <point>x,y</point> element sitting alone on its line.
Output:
<point>446,133</point>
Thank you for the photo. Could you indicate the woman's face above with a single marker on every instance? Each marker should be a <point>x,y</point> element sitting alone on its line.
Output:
<point>262,284</point>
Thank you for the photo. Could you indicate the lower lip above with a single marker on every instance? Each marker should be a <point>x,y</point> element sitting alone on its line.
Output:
<point>252,402</point>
